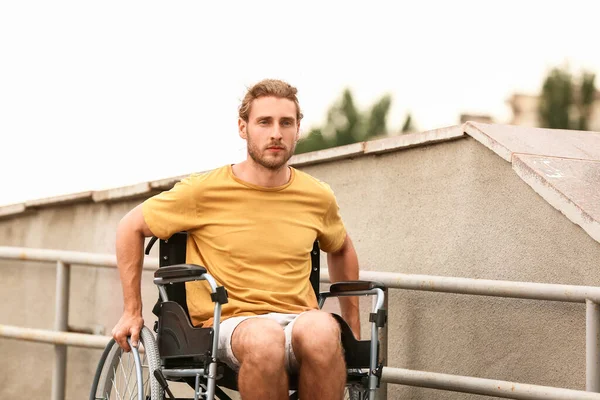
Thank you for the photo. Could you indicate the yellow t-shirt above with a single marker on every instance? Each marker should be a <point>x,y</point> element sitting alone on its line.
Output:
<point>255,241</point>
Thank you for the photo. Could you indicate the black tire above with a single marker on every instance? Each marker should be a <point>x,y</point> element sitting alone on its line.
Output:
<point>107,349</point>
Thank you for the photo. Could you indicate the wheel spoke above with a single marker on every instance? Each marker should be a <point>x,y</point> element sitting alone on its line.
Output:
<point>115,387</point>
<point>125,375</point>
<point>146,366</point>
<point>130,368</point>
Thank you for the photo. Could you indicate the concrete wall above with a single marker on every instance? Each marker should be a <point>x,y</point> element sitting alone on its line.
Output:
<point>453,209</point>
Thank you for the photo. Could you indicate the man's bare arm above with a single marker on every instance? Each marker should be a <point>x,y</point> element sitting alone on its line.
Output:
<point>131,231</point>
<point>343,266</point>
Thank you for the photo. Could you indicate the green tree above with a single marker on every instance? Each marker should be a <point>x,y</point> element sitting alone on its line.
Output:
<point>377,119</point>
<point>408,125</point>
<point>556,100</point>
<point>312,142</point>
<point>563,103</point>
<point>344,120</point>
<point>587,94</point>
<point>345,124</point>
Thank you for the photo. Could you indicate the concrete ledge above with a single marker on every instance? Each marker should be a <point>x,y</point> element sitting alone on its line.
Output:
<point>167,183</point>
<point>555,198</point>
<point>413,139</point>
<point>334,153</point>
<point>60,200</point>
<point>379,146</point>
<point>505,140</point>
<point>13,210</point>
<point>477,134</point>
<point>123,193</point>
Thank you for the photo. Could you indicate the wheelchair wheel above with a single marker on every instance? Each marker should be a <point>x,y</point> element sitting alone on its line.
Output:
<point>356,392</point>
<point>117,372</point>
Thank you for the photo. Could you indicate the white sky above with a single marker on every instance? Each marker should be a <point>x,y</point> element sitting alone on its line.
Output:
<point>102,94</point>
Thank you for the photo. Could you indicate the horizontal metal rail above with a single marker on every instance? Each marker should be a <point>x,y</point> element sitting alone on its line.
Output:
<point>484,287</point>
<point>54,337</point>
<point>392,280</point>
<point>67,257</point>
<point>486,387</point>
<point>401,376</point>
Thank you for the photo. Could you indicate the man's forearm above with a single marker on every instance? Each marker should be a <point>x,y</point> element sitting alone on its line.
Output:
<point>130,248</point>
<point>343,266</point>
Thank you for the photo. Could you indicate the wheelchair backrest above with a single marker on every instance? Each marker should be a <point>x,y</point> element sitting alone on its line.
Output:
<point>173,251</point>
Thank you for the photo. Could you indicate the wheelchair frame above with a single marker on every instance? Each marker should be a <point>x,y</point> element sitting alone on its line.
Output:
<point>175,334</point>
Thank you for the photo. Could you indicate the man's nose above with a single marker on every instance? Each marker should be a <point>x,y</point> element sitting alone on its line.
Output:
<point>276,132</point>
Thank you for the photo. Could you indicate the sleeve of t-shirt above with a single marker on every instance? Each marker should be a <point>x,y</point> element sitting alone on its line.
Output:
<point>174,210</point>
<point>333,232</point>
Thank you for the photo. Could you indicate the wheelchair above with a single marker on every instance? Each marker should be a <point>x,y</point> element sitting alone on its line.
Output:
<point>181,352</point>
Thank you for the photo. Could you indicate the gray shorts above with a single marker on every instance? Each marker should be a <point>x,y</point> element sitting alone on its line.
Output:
<point>225,352</point>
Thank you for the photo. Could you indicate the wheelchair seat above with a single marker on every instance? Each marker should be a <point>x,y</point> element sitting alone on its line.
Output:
<point>182,345</point>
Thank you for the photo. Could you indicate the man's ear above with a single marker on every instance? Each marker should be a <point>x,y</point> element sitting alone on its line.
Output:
<point>242,128</point>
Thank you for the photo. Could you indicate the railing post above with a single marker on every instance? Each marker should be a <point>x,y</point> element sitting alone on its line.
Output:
<point>592,346</point>
<point>61,320</point>
<point>381,394</point>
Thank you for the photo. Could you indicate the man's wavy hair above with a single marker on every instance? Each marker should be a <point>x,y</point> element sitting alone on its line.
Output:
<point>269,87</point>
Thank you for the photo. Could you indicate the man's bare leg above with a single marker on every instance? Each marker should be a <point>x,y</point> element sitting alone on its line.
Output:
<point>318,349</point>
<point>259,346</point>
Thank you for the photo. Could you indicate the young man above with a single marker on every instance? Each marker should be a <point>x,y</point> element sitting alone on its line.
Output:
<point>252,225</point>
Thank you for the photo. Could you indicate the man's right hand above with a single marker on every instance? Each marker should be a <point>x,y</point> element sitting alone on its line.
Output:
<point>128,325</point>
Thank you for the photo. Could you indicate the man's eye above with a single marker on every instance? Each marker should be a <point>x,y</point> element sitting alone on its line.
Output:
<point>287,123</point>
<point>263,122</point>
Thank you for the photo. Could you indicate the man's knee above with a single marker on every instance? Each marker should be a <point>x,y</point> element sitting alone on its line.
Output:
<point>316,335</point>
<point>259,341</point>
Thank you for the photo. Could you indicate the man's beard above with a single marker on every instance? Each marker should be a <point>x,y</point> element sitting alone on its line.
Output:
<point>272,163</point>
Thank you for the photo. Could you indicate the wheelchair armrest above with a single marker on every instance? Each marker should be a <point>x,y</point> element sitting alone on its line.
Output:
<point>354,286</point>
<point>178,273</point>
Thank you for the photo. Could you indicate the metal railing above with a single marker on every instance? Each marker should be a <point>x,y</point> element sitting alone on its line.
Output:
<point>60,337</point>
<point>590,295</point>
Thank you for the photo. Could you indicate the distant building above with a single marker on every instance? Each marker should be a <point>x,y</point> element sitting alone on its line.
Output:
<point>525,111</point>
